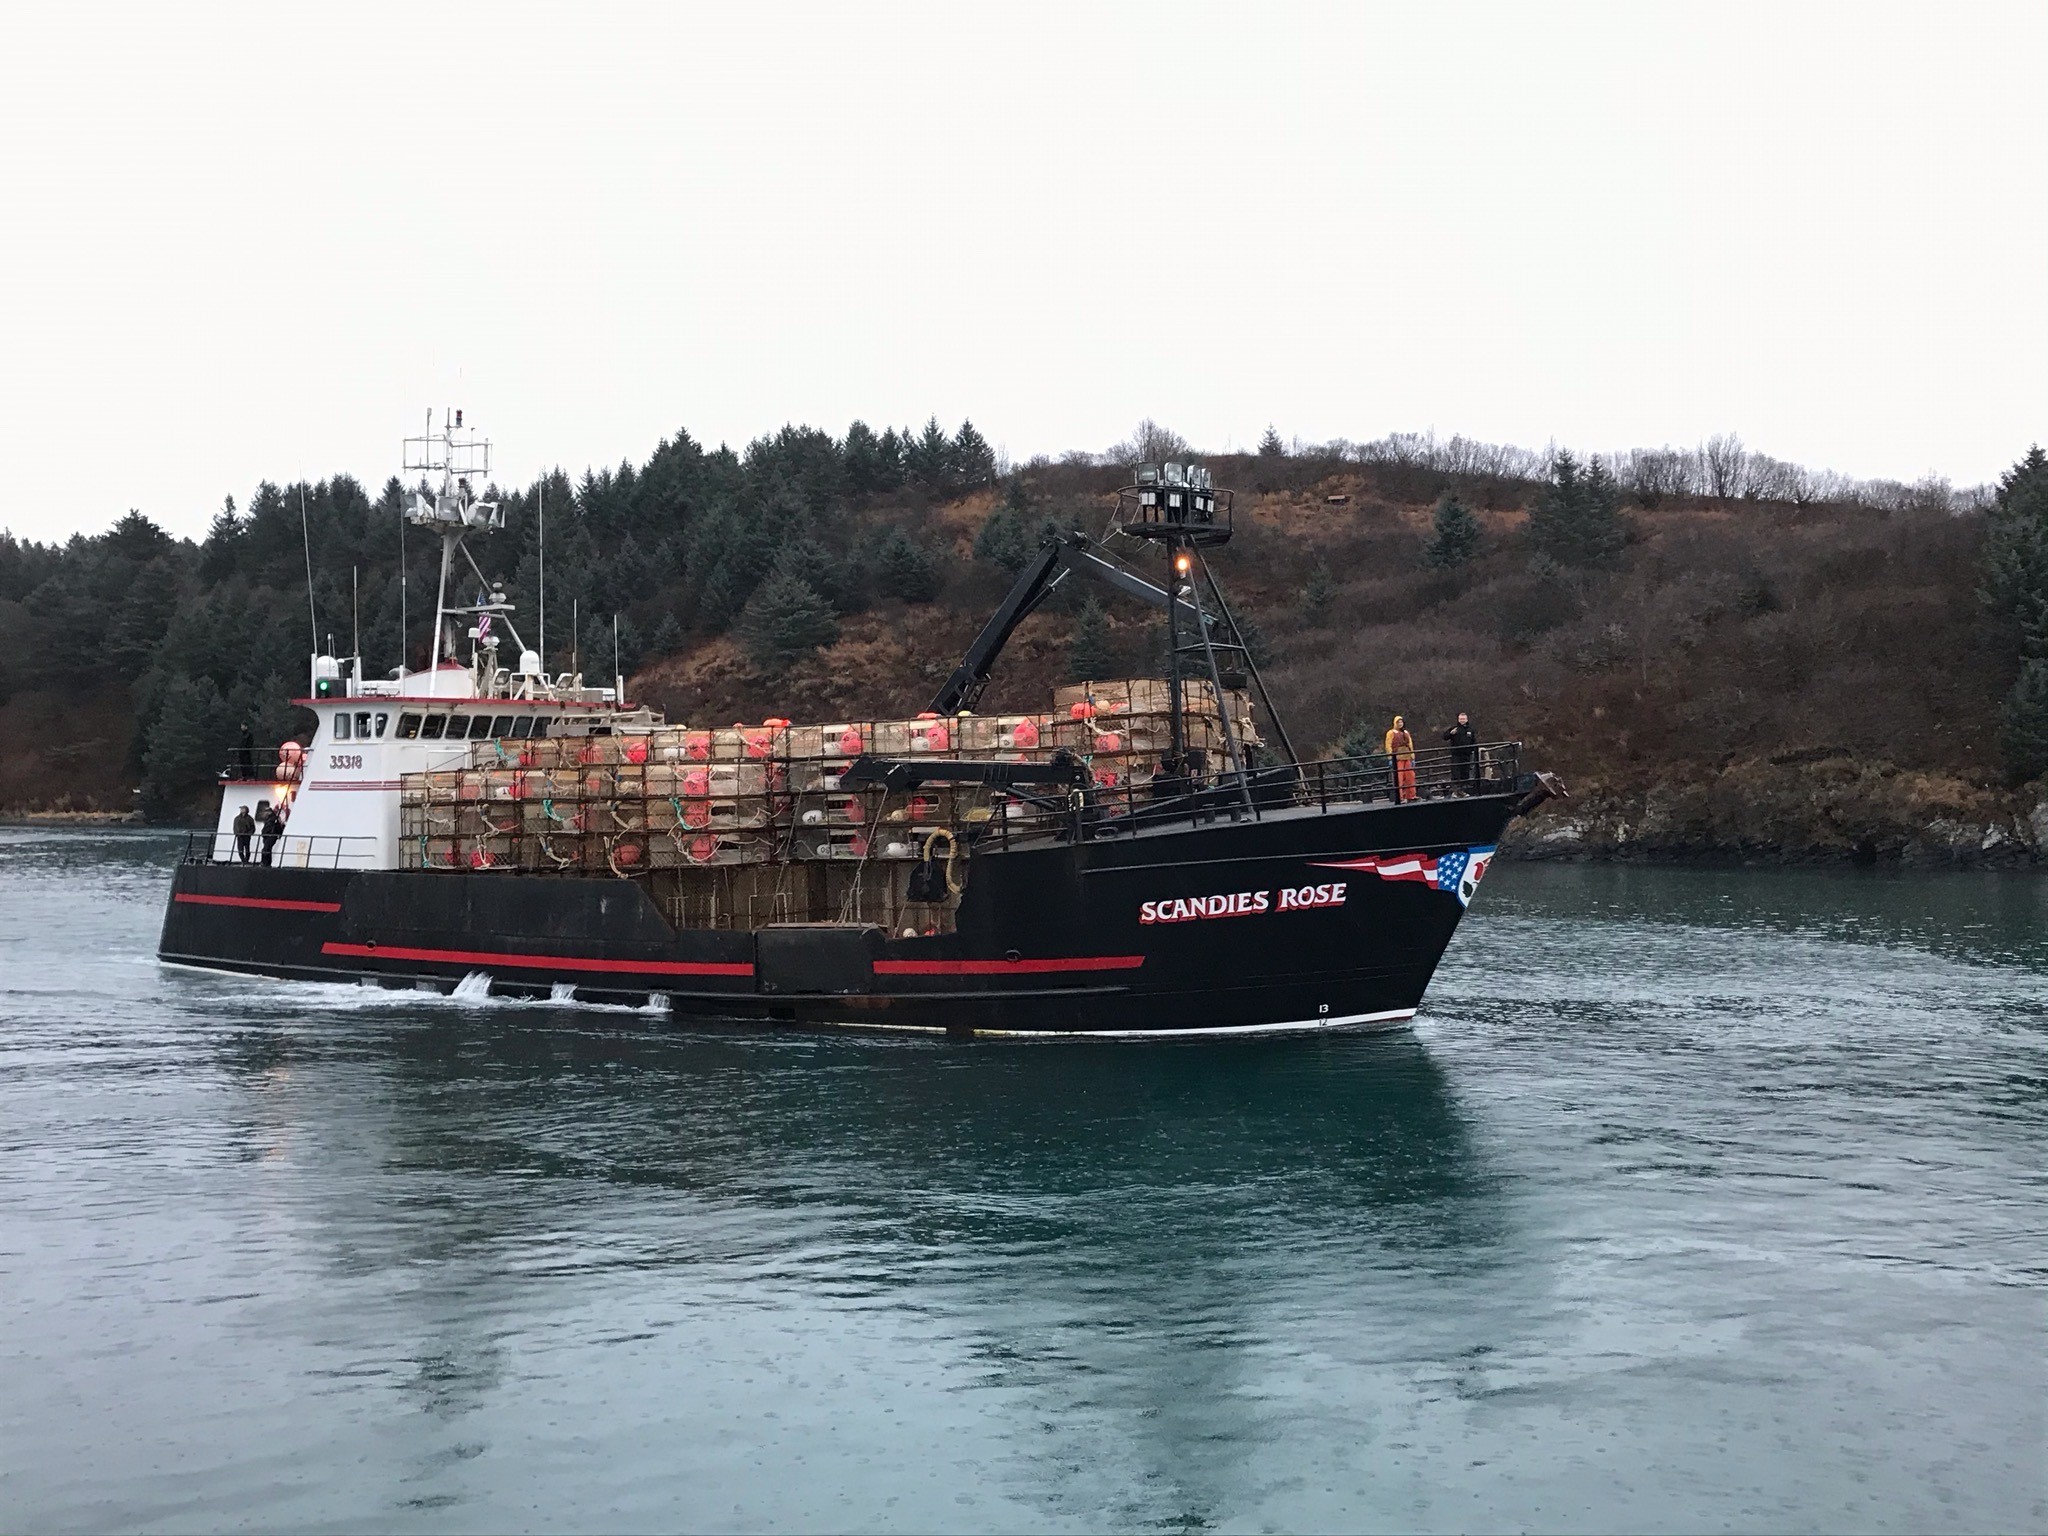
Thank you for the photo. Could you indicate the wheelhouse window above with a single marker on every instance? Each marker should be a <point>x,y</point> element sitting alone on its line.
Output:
<point>362,725</point>
<point>501,725</point>
<point>470,726</point>
<point>341,731</point>
<point>383,720</point>
<point>432,726</point>
<point>408,726</point>
<point>522,726</point>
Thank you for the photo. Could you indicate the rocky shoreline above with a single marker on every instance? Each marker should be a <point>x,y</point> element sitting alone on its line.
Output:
<point>1818,807</point>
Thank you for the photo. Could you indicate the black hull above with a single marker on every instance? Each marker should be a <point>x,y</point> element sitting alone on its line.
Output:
<point>1050,940</point>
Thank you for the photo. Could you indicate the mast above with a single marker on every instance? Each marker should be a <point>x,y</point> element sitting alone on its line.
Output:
<point>462,462</point>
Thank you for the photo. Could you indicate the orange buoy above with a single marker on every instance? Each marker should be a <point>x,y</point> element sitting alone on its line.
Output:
<point>1108,741</point>
<point>697,782</point>
<point>702,850</point>
<point>697,814</point>
<point>1026,734</point>
<point>850,742</point>
<point>636,751</point>
<point>1081,709</point>
<point>776,723</point>
<point>919,808</point>
<point>937,738</point>
<point>855,809</point>
<point>697,746</point>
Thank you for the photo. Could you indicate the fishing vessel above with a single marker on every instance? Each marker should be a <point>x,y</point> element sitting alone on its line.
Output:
<point>1146,857</point>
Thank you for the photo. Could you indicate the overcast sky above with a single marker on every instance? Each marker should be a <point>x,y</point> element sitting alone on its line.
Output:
<point>259,243</point>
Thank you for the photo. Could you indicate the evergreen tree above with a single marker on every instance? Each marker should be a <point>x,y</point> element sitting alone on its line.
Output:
<point>1091,656</point>
<point>1320,592</point>
<point>668,637</point>
<point>2016,552</point>
<point>784,621</point>
<point>807,561</point>
<point>905,569</point>
<point>1270,446</point>
<point>223,541</point>
<point>974,462</point>
<point>187,745</point>
<point>1577,518</point>
<point>1456,537</point>
<point>1015,497</point>
<point>2016,587</point>
<point>889,460</point>
<point>1004,540</point>
<point>872,463</point>
<point>928,461</point>
<point>2023,723</point>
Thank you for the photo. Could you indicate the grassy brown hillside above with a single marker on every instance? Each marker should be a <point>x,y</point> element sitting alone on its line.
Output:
<point>1753,677</point>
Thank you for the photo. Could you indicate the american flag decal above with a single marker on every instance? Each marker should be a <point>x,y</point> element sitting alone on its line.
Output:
<point>1458,871</point>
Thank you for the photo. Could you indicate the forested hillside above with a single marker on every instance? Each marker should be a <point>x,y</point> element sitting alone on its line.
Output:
<point>1720,650</point>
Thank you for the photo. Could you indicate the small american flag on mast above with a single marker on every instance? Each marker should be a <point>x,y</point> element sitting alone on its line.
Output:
<point>1458,871</point>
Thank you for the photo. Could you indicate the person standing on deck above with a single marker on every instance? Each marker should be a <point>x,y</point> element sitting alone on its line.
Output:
<point>1464,750</point>
<point>273,827</point>
<point>245,828</point>
<point>1401,748</point>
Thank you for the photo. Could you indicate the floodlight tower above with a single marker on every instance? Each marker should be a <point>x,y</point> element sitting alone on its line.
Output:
<point>1180,507</point>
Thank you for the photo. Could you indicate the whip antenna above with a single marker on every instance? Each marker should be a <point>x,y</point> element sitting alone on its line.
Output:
<point>542,493</point>
<point>306,533</point>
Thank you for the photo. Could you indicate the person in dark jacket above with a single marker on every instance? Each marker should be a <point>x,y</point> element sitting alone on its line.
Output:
<point>245,828</point>
<point>1464,742</point>
<point>273,827</point>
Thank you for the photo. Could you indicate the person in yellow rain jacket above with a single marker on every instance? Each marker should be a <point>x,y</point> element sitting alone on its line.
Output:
<point>1401,748</point>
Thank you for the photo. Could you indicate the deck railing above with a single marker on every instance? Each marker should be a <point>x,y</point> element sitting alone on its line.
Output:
<point>1339,783</point>
<point>287,852</point>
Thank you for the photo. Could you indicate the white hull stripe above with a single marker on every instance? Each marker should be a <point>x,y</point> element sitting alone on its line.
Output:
<point>1288,1027</point>
<point>379,784</point>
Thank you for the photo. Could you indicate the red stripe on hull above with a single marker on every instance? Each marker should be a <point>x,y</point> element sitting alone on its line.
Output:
<point>543,962</point>
<point>1007,967</point>
<point>266,903</point>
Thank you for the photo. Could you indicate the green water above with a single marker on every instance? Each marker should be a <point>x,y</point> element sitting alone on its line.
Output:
<point>1694,1200</point>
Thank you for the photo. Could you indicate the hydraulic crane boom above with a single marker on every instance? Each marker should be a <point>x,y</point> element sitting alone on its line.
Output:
<point>1059,555</point>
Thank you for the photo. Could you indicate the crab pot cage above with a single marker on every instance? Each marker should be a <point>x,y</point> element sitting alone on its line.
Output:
<point>750,824</point>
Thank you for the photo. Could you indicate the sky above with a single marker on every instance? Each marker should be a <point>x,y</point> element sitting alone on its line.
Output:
<point>248,243</point>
